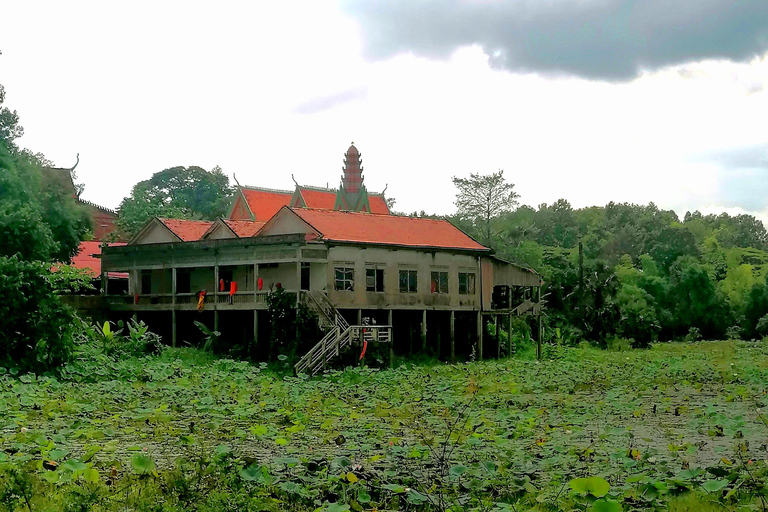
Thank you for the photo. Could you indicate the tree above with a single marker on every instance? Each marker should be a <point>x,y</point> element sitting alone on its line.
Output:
<point>38,221</point>
<point>484,198</point>
<point>180,192</point>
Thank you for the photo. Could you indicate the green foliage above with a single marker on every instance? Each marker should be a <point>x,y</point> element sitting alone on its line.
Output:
<point>210,338</point>
<point>177,192</point>
<point>97,341</point>
<point>38,220</point>
<point>36,327</point>
<point>294,329</point>
<point>675,427</point>
<point>705,272</point>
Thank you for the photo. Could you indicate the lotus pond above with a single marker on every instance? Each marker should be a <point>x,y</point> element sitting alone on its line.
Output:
<point>679,427</point>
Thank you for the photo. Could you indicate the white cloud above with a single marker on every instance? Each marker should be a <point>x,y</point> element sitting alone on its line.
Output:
<point>135,90</point>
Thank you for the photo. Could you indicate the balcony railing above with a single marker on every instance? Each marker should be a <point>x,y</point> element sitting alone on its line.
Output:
<point>185,299</point>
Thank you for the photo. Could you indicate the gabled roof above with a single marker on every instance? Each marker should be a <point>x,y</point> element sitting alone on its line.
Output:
<point>103,209</point>
<point>264,203</point>
<point>316,198</point>
<point>368,228</point>
<point>378,204</point>
<point>244,228</point>
<point>187,230</point>
<point>87,258</point>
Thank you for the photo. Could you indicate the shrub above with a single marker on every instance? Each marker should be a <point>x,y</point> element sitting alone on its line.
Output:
<point>294,330</point>
<point>619,344</point>
<point>733,332</point>
<point>36,328</point>
<point>94,340</point>
<point>694,334</point>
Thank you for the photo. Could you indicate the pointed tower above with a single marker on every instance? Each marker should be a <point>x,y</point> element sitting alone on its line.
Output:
<point>352,195</point>
<point>352,180</point>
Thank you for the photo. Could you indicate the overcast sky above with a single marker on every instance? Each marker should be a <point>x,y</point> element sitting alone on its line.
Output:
<point>590,100</point>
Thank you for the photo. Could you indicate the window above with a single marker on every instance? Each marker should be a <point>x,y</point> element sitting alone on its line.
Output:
<point>374,278</point>
<point>146,282</point>
<point>466,283</point>
<point>407,281</point>
<point>344,279</point>
<point>439,282</point>
<point>183,281</point>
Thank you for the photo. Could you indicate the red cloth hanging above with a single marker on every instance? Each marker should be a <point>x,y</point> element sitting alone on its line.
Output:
<point>136,299</point>
<point>201,300</point>
<point>261,283</point>
<point>434,287</point>
<point>365,346</point>
<point>232,288</point>
<point>221,285</point>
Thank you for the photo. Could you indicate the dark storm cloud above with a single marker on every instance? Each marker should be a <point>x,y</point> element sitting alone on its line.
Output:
<point>599,39</point>
<point>321,103</point>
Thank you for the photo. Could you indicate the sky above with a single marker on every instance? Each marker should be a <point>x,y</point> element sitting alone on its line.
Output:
<point>588,100</point>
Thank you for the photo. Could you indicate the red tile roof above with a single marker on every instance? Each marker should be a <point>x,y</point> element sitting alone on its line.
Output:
<point>87,258</point>
<point>387,229</point>
<point>318,198</point>
<point>244,228</point>
<point>187,230</point>
<point>265,203</point>
<point>378,205</point>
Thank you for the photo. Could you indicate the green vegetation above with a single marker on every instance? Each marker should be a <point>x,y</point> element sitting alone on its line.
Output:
<point>646,274</point>
<point>678,427</point>
<point>178,192</point>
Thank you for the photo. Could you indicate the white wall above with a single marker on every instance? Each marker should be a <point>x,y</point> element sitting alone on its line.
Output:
<point>394,260</point>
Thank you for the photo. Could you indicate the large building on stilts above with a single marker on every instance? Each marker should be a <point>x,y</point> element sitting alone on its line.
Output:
<point>424,283</point>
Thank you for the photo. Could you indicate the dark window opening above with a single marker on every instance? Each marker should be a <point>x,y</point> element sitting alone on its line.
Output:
<point>225,280</point>
<point>305,276</point>
<point>183,281</point>
<point>374,279</point>
<point>344,279</point>
<point>439,282</point>
<point>146,282</point>
<point>466,283</point>
<point>408,281</point>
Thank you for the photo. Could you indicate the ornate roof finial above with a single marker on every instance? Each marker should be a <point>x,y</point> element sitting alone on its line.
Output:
<point>78,161</point>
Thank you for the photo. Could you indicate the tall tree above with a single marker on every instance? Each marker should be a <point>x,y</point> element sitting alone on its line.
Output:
<point>180,192</point>
<point>481,199</point>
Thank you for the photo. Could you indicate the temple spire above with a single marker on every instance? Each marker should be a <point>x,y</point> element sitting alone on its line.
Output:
<point>352,180</point>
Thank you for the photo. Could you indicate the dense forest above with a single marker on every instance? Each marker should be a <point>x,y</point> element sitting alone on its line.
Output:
<point>646,274</point>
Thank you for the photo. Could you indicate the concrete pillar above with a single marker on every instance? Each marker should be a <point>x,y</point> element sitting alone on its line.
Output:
<point>424,331</point>
<point>410,332</point>
<point>509,334</point>
<point>392,339</point>
<point>173,327</point>
<point>496,327</point>
<point>216,320</point>
<point>453,337</point>
<point>359,317</point>
<point>479,335</point>
<point>538,342</point>
<point>173,283</point>
<point>215,284</point>
<point>256,327</point>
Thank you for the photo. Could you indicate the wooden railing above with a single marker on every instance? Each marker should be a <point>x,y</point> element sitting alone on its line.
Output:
<point>167,299</point>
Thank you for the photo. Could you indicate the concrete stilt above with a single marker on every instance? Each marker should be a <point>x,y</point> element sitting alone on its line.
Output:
<point>453,336</point>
